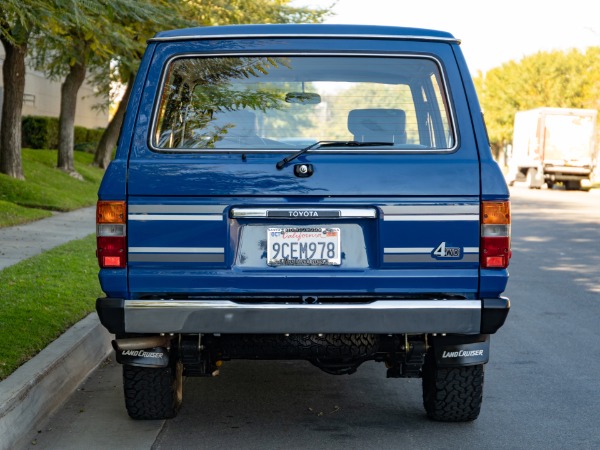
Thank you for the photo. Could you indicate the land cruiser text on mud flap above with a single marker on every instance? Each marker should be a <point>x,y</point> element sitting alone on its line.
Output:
<point>315,192</point>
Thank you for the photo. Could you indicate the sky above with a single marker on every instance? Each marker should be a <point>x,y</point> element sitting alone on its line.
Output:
<point>491,33</point>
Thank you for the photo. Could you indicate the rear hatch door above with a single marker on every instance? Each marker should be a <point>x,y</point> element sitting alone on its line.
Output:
<point>390,208</point>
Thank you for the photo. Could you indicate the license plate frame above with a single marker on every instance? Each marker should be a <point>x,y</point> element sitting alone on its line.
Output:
<point>320,246</point>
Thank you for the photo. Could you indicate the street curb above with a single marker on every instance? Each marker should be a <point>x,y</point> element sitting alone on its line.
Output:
<point>41,385</point>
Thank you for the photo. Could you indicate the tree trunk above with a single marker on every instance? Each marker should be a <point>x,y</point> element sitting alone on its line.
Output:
<point>13,75</point>
<point>66,127</point>
<point>109,138</point>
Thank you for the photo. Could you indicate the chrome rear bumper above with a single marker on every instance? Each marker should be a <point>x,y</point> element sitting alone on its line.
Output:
<point>378,316</point>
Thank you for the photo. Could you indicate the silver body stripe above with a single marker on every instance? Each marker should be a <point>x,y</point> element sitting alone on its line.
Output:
<point>431,209</point>
<point>431,218</point>
<point>177,257</point>
<point>177,209</point>
<point>430,213</point>
<point>146,217</point>
<point>176,250</point>
<point>177,254</point>
<point>427,259</point>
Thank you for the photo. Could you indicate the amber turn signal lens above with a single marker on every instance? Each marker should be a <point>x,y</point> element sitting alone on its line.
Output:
<point>110,212</point>
<point>495,213</point>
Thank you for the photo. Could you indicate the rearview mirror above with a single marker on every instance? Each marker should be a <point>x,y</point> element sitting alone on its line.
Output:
<point>304,98</point>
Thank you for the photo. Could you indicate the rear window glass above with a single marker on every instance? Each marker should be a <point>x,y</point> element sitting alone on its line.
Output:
<point>279,103</point>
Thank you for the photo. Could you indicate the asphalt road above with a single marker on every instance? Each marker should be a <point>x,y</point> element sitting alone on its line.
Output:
<point>541,387</point>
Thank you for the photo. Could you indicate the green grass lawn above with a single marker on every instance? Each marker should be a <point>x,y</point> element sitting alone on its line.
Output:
<point>42,297</point>
<point>13,214</point>
<point>46,188</point>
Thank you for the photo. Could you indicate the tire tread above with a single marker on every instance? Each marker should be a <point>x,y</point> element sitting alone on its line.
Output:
<point>150,393</point>
<point>452,394</point>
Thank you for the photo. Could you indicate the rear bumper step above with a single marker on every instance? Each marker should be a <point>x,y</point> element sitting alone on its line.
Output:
<point>379,316</point>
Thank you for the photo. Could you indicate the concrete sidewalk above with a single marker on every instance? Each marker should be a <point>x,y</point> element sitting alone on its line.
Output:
<point>39,387</point>
<point>24,241</point>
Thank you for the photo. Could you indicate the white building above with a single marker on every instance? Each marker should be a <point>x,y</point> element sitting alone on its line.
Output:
<point>42,98</point>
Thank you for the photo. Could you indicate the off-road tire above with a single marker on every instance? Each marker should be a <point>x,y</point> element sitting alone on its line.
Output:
<point>452,394</point>
<point>152,393</point>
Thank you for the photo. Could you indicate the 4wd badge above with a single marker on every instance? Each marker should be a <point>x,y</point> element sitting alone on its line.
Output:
<point>447,252</point>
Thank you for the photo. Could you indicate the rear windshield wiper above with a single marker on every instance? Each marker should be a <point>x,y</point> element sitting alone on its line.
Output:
<point>320,144</point>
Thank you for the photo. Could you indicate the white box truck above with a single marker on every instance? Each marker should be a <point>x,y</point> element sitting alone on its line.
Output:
<point>553,145</point>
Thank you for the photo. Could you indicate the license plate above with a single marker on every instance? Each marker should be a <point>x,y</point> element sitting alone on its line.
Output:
<point>304,246</point>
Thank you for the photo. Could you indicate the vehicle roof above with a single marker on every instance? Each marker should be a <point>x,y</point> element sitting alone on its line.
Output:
<point>300,30</point>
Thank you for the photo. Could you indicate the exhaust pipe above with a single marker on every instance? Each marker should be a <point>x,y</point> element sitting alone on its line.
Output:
<point>141,343</point>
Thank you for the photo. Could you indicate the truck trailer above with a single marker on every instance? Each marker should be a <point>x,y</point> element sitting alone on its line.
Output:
<point>553,145</point>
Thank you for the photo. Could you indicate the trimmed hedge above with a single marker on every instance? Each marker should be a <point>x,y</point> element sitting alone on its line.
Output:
<point>86,139</point>
<point>41,132</point>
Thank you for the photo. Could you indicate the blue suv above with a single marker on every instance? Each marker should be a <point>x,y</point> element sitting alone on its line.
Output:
<point>316,192</point>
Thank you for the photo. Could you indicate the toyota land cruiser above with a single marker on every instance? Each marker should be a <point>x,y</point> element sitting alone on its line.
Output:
<point>315,192</point>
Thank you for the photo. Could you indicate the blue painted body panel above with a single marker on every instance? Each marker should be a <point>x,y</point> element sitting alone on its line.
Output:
<point>227,275</point>
<point>183,253</point>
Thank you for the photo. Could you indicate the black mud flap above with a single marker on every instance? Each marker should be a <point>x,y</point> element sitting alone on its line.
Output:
<point>459,351</point>
<point>152,357</point>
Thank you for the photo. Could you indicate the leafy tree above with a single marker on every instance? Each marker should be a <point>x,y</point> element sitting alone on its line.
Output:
<point>194,13</point>
<point>126,57</point>
<point>229,12</point>
<point>73,45</point>
<point>566,79</point>
<point>19,20</point>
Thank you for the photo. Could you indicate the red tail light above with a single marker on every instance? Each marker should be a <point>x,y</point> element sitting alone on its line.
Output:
<point>111,234</point>
<point>495,235</point>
